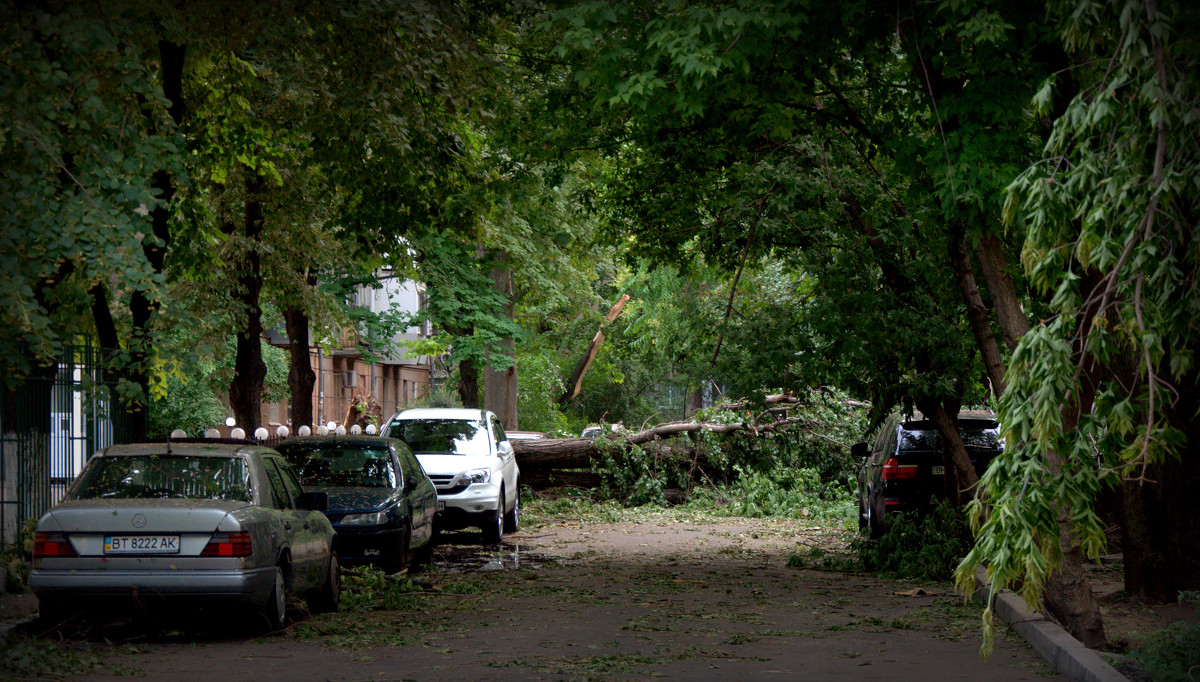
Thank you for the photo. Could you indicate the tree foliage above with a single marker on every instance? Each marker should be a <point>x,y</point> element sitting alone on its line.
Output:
<point>1110,214</point>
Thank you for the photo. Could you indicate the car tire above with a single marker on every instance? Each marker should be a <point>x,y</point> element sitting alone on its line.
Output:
<point>327,596</point>
<point>493,527</point>
<point>875,519</point>
<point>400,561</point>
<point>422,557</point>
<point>862,514</point>
<point>512,520</point>
<point>52,612</point>
<point>274,612</point>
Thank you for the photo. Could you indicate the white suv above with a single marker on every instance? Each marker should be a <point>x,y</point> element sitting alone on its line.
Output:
<point>471,463</point>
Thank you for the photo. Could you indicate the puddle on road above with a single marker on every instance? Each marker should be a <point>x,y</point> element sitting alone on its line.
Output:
<point>465,555</point>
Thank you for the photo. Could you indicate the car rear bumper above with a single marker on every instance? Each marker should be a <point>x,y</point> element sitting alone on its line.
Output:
<point>248,586</point>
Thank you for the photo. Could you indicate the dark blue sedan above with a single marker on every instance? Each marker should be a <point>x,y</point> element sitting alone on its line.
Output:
<point>381,503</point>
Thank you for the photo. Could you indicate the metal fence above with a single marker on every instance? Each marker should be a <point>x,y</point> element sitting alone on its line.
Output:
<point>48,429</point>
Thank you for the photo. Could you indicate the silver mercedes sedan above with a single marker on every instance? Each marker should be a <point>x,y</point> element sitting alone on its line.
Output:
<point>199,520</point>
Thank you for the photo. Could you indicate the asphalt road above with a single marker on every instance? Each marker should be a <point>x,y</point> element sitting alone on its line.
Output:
<point>594,601</point>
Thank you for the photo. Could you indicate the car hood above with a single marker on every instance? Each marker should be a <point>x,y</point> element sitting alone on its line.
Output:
<point>436,464</point>
<point>344,500</point>
<point>139,516</point>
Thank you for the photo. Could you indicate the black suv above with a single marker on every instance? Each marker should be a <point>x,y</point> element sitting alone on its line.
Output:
<point>904,468</point>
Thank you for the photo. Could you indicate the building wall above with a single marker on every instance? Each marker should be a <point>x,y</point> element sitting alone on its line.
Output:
<point>394,386</point>
<point>395,382</point>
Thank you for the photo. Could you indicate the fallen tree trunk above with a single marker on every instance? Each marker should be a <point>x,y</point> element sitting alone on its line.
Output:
<point>577,453</point>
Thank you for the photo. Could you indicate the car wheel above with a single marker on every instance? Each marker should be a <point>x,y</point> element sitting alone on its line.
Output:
<point>422,556</point>
<point>512,520</point>
<point>493,527</point>
<point>874,516</point>
<point>330,593</point>
<point>862,514</point>
<point>399,561</point>
<point>52,612</point>
<point>275,610</point>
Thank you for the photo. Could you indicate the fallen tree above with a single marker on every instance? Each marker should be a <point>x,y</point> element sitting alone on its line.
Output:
<point>578,453</point>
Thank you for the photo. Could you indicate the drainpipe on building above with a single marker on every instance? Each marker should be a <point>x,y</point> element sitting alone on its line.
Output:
<point>320,388</point>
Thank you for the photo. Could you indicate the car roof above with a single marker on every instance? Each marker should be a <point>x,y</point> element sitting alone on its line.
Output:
<point>330,441</point>
<point>967,419</point>
<point>441,413</point>
<point>187,448</point>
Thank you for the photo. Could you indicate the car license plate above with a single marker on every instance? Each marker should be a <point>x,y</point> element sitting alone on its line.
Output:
<point>141,544</point>
<point>938,471</point>
<point>441,505</point>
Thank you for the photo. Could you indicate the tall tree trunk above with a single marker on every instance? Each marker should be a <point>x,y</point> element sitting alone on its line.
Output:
<point>695,399</point>
<point>1068,594</point>
<point>141,307</point>
<point>245,393</point>
<point>468,384</point>
<point>977,314</point>
<point>500,386</point>
<point>960,477</point>
<point>1163,558</point>
<point>301,377</point>
<point>1010,318</point>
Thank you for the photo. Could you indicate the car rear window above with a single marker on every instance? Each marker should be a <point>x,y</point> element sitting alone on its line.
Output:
<point>442,436</point>
<point>164,476</point>
<point>342,466</point>
<point>930,439</point>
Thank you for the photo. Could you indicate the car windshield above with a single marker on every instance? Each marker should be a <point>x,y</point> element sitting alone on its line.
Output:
<point>165,476</point>
<point>341,465</point>
<point>975,439</point>
<point>442,436</point>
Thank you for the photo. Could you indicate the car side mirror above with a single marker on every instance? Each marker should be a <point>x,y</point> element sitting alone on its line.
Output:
<point>318,501</point>
<point>505,448</point>
<point>859,450</point>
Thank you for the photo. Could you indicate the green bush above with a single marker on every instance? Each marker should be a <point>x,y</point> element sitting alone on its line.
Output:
<point>369,589</point>
<point>922,546</point>
<point>1173,653</point>
<point>797,472</point>
<point>780,492</point>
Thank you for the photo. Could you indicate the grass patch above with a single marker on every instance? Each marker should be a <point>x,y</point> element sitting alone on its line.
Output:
<point>40,659</point>
<point>1173,653</point>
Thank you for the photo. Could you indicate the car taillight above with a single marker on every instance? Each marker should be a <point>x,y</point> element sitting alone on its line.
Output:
<point>51,544</point>
<point>893,469</point>
<point>228,544</point>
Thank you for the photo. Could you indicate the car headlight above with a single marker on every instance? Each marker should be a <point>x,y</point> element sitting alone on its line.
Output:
<point>477,475</point>
<point>371,519</point>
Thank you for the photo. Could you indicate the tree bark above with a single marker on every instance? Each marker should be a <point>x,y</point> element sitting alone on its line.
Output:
<point>301,377</point>
<point>500,386</point>
<point>1163,558</point>
<point>977,315</point>
<point>575,383</point>
<point>960,478</point>
<point>1009,315</point>
<point>468,384</point>
<point>141,307</point>
<point>245,393</point>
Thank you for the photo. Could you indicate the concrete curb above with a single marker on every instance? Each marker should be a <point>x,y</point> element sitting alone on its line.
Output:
<point>1066,654</point>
